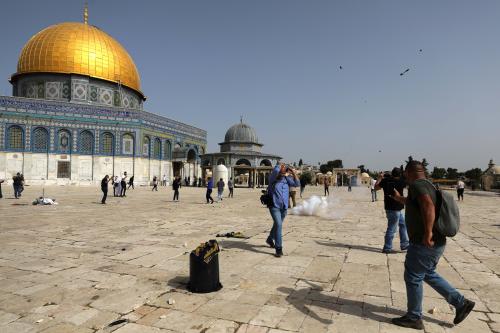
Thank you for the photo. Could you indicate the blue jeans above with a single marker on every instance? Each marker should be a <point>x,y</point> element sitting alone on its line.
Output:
<point>374,195</point>
<point>420,265</point>
<point>275,234</point>
<point>395,218</point>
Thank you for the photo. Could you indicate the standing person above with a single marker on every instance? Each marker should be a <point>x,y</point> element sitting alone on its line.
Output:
<point>155,184</point>
<point>292,194</point>
<point>326,183</point>
<point>175,186</point>
<point>230,185</point>
<point>123,185</point>
<point>104,188</point>
<point>393,209</point>
<point>460,189</point>
<point>426,248</point>
<point>372,189</point>
<point>116,184</point>
<point>17,183</point>
<point>349,186</point>
<point>210,186</point>
<point>199,182</point>
<point>164,180</point>
<point>220,189</point>
<point>303,184</point>
<point>281,178</point>
<point>131,183</point>
<point>21,187</point>
<point>1,181</point>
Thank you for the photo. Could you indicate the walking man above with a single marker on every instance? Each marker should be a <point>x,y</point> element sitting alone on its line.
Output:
<point>460,189</point>
<point>303,184</point>
<point>326,183</point>
<point>175,186</point>
<point>393,209</point>
<point>131,182</point>
<point>155,184</point>
<point>104,188</point>
<point>426,248</point>
<point>210,186</point>
<point>372,189</point>
<point>230,185</point>
<point>220,189</point>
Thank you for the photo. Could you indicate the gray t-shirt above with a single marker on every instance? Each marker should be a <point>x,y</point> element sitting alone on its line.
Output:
<point>413,216</point>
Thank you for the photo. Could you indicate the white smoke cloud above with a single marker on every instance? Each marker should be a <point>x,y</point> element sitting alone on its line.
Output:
<point>325,207</point>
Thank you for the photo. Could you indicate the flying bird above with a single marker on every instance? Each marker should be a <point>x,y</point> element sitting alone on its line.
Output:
<point>406,71</point>
<point>420,50</point>
<point>340,67</point>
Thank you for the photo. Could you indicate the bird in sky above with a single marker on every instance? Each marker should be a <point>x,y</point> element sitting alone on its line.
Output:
<point>340,67</point>
<point>406,71</point>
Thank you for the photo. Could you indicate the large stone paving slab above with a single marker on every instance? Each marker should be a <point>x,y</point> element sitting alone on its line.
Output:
<point>81,266</point>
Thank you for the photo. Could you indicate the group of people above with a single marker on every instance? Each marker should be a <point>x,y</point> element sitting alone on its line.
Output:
<point>119,185</point>
<point>17,184</point>
<point>419,238</point>
<point>220,189</point>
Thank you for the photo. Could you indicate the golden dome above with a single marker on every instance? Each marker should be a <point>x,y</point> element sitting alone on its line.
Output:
<point>79,48</point>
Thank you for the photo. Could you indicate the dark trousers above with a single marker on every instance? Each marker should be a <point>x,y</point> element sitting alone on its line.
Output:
<point>327,191</point>
<point>124,189</point>
<point>231,192</point>
<point>17,191</point>
<point>209,196</point>
<point>155,187</point>
<point>104,196</point>
<point>176,195</point>
<point>131,184</point>
<point>460,193</point>
<point>1,196</point>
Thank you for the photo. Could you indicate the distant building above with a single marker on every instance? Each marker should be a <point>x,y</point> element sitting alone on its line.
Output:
<point>490,179</point>
<point>241,152</point>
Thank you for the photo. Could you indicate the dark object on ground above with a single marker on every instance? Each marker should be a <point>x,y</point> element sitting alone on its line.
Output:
<point>463,312</point>
<point>117,322</point>
<point>406,71</point>
<point>233,234</point>
<point>408,323</point>
<point>204,268</point>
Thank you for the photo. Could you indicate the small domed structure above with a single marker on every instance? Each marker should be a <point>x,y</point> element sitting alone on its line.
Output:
<point>241,133</point>
<point>491,178</point>
<point>241,153</point>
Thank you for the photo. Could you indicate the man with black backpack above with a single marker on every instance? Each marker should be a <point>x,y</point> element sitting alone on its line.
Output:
<point>427,245</point>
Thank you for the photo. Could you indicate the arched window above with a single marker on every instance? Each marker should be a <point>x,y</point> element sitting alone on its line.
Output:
<point>145,146</point>
<point>167,154</point>
<point>86,143</point>
<point>157,149</point>
<point>40,140</point>
<point>107,141</point>
<point>128,144</point>
<point>64,141</point>
<point>16,137</point>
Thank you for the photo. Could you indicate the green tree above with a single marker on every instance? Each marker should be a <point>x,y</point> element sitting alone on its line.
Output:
<point>451,173</point>
<point>300,163</point>
<point>330,165</point>
<point>425,164</point>
<point>324,168</point>
<point>438,173</point>
<point>307,177</point>
<point>474,174</point>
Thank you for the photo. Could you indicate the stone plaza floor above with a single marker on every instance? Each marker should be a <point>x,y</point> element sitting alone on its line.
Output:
<point>80,266</point>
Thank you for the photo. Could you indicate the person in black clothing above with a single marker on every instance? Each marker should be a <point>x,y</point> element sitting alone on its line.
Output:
<point>393,209</point>
<point>131,182</point>
<point>326,183</point>
<point>1,181</point>
<point>124,184</point>
<point>104,188</point>
<point>17,184</point>
<point>175,186</point>
<point>303,184</point>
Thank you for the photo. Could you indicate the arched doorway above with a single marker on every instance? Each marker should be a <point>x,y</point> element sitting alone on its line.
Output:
<point>243,173</point>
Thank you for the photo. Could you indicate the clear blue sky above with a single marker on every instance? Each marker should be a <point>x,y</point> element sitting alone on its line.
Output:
<point>276,62</point>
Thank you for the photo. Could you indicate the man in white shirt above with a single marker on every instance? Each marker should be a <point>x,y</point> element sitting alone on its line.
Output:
<point>460,189</point>
<point>164,180</point>
<point>372,189</point>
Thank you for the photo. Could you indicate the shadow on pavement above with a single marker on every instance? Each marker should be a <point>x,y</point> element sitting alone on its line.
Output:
<point>369,311</point>
<point>348,246</point>
<point>241,245</point>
